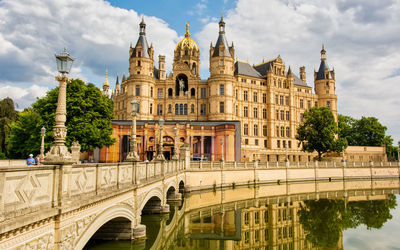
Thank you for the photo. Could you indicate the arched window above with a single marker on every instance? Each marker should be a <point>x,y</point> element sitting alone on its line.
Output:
<point>181,109</point>
<point>192,92</point>
<point>176,109</point>
<point>282,131</point>
<point>194,70</point>
<point>185,110</point>
<point>186,52</point>
<point>170,92</point>
<point>192,108</point>
<point>169,108</point>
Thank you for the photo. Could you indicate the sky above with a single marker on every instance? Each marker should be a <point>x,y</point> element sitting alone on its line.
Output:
<point>361,37</point>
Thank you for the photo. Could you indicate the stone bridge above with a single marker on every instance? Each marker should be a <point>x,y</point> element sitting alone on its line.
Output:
<point>63,206</point>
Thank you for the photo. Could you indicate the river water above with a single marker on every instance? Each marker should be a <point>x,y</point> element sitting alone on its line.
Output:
<point>360,217</point>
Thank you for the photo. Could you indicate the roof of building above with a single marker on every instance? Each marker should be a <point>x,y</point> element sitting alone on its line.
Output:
<point>298,81</point>
<point>155,73</point>
<point>145,47</point>
<point>187,42</point>
<point>264,67</point>
<point>221,40</point>
<point>243,68</point>
<point>321,71</point>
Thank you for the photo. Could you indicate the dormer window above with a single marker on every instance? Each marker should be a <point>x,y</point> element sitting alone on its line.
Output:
<point>186,52</point>
<point>139,54</point>
<point>221,53</point>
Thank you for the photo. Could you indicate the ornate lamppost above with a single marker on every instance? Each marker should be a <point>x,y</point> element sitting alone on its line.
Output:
<point>133,156</point>
<point>222,149</point>
<point>160,155</point>
<point>59,153</point>
<point>176,157</point>
<point>42,133</point>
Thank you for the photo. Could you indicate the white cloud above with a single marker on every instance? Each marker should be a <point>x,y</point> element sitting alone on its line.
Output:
<point>359,37</point>
<point>23,97</point>
<point>95,33</point>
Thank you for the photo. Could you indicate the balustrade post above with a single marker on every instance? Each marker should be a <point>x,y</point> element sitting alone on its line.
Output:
<point>2,183</point>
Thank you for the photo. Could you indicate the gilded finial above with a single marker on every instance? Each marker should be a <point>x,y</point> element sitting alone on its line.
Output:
<point>187,34</point>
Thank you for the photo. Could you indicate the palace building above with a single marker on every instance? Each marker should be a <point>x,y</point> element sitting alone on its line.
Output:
<point>242,111</point>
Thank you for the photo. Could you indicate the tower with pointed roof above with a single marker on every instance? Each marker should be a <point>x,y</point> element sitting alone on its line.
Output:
<point>106,86</point>
<point>222,81</point>
<point>324,84</point>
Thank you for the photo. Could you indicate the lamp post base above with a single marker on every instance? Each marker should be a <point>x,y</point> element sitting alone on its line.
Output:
<point>160,157</point>
<point>58,154</point>
<point>132,156</point>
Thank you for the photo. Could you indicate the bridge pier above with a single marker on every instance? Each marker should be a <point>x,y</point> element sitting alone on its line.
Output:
<point>174,197</point>
<point>139,232</point>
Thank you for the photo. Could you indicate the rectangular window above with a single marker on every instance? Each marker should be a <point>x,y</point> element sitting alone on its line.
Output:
<point>245,95</point>
<point>301,103</point>
<point>256,217</point>
<point>246,237</point>
<point>237,110</point>
<point>255,130</point>
<point>159,93</point>
<point>287,116</point>
<point>287,100</point>
<point>151,108</point>
<point>287,132</point>
<point>266,235</point>
<point>266,216</point>
<point>246,218</point>
<point>308,104</point>
<point>264,113</point>
<point>276,99</point>
<point>256,142</point>
<point>265,130</point>
<point>221,62</point>
<point>284,144</point>
<point>282,131</point>
<point>315,104</point>
<point>245,129</point>
<point>290,144</point>
<point>254,96</point>
<point>255,113</point>
<point>257,235</point>
<point>277,131</point>
<point>328,104</point>
<point>245,111</point>
<point>159,109</point>
<point>282,115</point>
<point>246,141</point>
<point>264,98</point>
<point>151,91</point>
<point>281,100</point>
<point>203,93</point>
<point>222,107</point>
<point>236,94</point>
<point>137,90</point>
<point>221,89</point>
<point>203,109</point>
<point>278,143</point>
<point>265,143</point>
<point>277,114</point>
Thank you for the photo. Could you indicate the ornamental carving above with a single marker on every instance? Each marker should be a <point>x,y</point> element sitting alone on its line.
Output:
<point>73,232</point>
<point>60,132</point>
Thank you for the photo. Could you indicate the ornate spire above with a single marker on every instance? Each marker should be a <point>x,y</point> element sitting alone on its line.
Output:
<point>105,83</point>
<point>222,25</point>
<point>323,53</point>
<point>142,27</point>
<point>187,34</point>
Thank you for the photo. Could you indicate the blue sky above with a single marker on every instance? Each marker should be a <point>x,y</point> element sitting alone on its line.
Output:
<point>358,35</point>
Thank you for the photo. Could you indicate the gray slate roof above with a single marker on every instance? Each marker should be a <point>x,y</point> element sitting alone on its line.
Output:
<point>321,71</point>
<point>145,47</point>
<point>221,40</point>
<point>263,68</point>
<point>298,81</point>
<point>242,68</point>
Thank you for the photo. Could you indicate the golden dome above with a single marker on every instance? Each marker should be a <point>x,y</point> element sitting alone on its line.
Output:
<point>187,42</point>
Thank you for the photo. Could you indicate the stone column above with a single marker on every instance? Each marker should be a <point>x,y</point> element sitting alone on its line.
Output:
<point>59,153</point>
<point>176,145</point>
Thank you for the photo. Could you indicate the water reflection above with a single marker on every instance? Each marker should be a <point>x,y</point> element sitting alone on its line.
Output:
<point>231,219</point>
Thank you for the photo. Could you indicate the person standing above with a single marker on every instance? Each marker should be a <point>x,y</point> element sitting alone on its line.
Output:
<point>37,159</point>
<point>30,161</point>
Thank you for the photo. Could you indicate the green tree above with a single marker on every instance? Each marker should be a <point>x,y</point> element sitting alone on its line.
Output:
<point>367,131</point>
<point>89,115</point>
<point>318,132</point>
<point>25,135</point>
<point>8,114</point>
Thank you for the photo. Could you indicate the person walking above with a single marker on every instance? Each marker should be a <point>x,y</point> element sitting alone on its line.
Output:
<point>30,161</point>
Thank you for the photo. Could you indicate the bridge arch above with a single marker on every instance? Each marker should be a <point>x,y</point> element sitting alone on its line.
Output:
<point>120,210</point>
<point>150,195</point>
